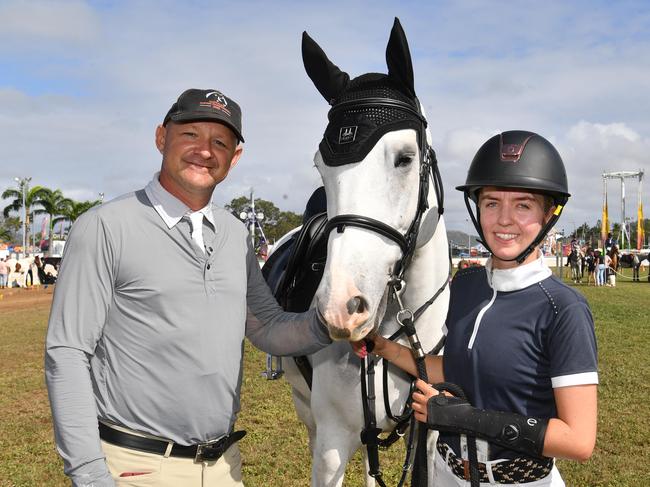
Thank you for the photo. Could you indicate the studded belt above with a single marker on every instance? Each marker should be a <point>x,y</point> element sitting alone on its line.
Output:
<point>520,470</point>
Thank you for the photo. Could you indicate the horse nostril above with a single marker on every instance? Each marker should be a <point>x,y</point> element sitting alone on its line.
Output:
<point>356,304</point>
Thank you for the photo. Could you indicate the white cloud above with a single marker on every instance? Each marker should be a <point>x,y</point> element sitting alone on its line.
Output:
<point>48,21</point>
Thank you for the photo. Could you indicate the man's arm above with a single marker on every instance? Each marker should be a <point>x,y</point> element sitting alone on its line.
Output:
<point>81,299</point>
<point>273,330</point>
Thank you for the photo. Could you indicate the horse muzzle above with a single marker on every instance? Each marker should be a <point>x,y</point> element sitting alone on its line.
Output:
<point>349,319</point>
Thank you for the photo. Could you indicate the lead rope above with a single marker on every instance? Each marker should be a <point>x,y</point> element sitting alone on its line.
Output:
<point>404,318</point>
<point>370,434</point>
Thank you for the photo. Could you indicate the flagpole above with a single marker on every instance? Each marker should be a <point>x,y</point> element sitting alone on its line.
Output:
<point>640,230</point>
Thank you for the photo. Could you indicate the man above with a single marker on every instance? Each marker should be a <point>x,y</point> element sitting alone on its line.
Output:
<point>609,242</point>
<point>145,339</point>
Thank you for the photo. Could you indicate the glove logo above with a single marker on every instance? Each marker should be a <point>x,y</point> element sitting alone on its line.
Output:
<point>510,432</point>
<point>531,422</point>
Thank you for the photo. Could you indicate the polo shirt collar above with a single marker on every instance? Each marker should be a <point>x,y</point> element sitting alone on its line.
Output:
<point>519,277</point>
<point>170,208</point>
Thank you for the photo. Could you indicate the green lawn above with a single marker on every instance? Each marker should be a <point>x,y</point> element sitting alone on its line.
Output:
<point>275,451</point>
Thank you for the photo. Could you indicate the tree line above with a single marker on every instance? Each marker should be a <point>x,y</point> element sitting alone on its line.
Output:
<point>39,200</point>
<point>591,235</point>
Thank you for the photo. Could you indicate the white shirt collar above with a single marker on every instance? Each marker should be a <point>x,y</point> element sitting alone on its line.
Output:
<point>170,208</point>
<point>518,277</point>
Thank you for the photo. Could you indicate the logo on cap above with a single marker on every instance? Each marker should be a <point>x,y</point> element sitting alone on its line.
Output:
<point>220,97</point>
<point>215,105</point>
<point>348,135</point>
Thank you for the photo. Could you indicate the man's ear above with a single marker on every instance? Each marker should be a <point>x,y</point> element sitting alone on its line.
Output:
<point>161,134</point>
<point>235,157</point>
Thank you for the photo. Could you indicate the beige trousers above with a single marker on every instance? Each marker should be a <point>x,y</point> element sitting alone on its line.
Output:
<point>160,471</point>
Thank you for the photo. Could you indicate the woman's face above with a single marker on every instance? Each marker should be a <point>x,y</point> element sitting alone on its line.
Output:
<point>510,220</point>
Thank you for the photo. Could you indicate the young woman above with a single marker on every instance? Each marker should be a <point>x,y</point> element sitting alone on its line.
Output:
<point>600,268</point>
<point>520,343</point>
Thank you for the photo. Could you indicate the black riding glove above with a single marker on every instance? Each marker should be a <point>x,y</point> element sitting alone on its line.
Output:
<point>510,430</point>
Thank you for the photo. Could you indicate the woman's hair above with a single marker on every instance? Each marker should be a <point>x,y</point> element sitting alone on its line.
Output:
<point>549,202</point>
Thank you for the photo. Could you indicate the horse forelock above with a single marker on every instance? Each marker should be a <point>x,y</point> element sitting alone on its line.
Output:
<point>355,126</point>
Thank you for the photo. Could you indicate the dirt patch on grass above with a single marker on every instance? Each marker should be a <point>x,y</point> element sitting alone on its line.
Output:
<point>25,298</point>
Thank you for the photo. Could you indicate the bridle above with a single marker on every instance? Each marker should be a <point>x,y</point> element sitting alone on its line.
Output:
<point>428,169</point>
<point>406,318</point>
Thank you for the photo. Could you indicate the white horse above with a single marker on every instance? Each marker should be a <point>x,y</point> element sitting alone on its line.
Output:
<point>370,162</point>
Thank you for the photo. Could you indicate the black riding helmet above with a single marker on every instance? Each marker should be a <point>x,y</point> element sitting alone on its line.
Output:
<point>517,159</point>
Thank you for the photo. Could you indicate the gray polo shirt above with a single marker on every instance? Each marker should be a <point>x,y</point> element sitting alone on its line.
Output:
<point>146,330</point>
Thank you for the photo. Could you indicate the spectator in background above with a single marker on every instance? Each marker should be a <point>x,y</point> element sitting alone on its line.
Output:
<point>19,271</point>
<point>590,262</point>
<point>612,267</point>
<point>30,274</point>
<point>636,265</point>
<point>4,273</point>
<point>600,268</point>
<point>609,242</point>
<point>607,261</point>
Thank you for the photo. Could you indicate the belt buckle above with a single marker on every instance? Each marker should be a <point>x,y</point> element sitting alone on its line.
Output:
<point>211,450</point>
<point>466,472</point>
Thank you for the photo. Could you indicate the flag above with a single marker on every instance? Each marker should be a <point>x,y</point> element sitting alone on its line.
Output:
<point>604,229</point>
<point>640,231</point>
<point>43,241</point>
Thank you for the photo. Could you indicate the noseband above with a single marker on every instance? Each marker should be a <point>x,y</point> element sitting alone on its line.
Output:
<point>428,168</point>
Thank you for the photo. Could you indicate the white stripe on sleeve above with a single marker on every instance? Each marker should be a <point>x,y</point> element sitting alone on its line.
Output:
<point>575,379</point>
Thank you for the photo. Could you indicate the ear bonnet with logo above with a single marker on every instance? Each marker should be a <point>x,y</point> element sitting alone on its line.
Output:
<point>361,111</point>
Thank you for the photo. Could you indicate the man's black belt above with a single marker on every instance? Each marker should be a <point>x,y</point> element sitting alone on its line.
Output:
<point>209,451</point>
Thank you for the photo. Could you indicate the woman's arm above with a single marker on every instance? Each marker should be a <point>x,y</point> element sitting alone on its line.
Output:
<point>401,357</point>
<point>572,434</point>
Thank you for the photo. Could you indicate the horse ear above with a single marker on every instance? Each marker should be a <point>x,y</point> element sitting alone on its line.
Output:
<point>398,59</point>
<point>326,76</point>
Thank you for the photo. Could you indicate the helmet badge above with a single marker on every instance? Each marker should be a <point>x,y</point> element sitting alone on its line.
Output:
<point>512,152</point>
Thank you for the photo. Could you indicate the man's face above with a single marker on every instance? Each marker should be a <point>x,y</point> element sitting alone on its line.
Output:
<point>510,221</point>
<point>196,157</point>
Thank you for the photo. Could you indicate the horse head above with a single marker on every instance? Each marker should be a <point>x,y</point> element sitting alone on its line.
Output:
<point>374,160</point>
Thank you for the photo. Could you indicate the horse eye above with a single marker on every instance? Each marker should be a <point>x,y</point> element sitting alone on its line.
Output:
<point>404,160</point>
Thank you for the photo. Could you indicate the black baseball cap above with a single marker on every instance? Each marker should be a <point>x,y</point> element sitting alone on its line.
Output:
<point>196,105</point>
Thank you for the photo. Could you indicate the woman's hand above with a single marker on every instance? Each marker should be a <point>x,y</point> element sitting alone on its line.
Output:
<point>360,348</point>
<point>423,392</point>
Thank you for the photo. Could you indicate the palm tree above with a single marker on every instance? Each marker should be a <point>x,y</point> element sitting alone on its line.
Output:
<point>31,198</point>
<point>54,204</point>
<point>5,234</point>
<point>74,209</point>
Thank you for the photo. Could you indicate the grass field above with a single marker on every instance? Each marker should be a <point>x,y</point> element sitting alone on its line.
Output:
<point>275,450</point>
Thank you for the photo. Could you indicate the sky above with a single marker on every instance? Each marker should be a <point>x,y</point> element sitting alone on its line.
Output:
<point>83,85</point>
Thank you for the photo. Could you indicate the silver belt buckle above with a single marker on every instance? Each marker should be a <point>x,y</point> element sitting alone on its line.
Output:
<point>209,450</point>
